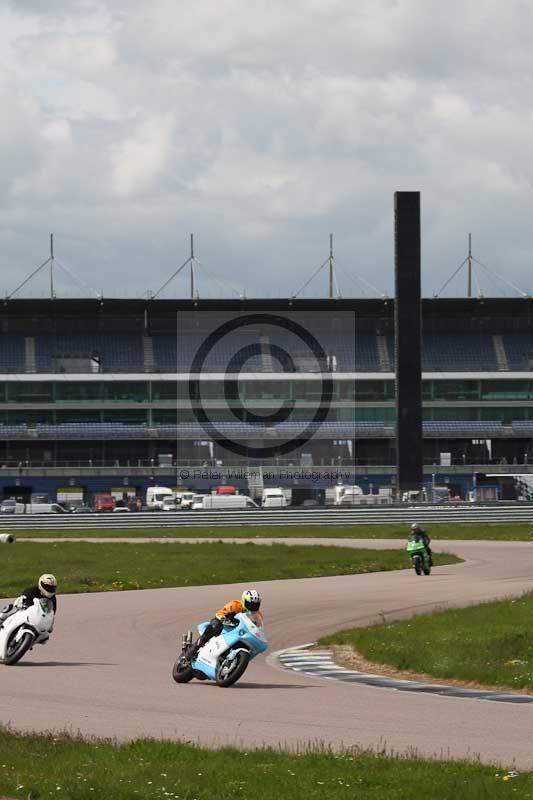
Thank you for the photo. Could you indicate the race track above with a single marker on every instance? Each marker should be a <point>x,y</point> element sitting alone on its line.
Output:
<point>106,671</point>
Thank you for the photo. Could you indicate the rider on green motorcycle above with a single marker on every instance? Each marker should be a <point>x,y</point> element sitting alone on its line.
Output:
<point>417,534</point>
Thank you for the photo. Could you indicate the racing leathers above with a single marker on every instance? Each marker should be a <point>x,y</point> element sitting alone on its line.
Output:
<point>224,615</point>
<point>421,534</point>
<point>25,601</point>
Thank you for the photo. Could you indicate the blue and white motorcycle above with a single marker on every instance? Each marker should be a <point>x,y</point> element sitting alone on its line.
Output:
<point>223,658</point>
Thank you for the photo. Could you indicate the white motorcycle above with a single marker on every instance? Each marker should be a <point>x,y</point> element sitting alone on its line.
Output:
<point>24,628</point>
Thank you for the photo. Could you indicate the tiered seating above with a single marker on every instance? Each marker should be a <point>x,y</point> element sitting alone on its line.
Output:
<point>170,356</point>
<point>91,430</point>
<point>14,432</point>
<point>118,351</point>
<point>523,429</point>
<point>366,352</point>
<point>519,349</point>
<point>241,430</point>
<point>458,351</point>
<point>12,355</point>
<point>355,351</point>
<point>469,428</point>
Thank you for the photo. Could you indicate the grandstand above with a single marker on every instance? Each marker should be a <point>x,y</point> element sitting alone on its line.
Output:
<point>96,393</point>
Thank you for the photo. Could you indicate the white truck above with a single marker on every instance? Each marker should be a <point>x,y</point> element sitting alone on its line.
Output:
<point>221,502</point>
<point>156,495</point>
<point>274,498</point>
<point>346,495</point>
<point>184,500</point>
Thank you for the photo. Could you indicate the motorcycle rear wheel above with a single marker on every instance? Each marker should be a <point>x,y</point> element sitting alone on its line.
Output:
<point>427,570</point>
<point>182,673</point>
<point>229,673</point>
<point>15,650</point>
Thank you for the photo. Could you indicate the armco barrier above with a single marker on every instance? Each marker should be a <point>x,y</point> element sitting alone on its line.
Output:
<point>379,515</point>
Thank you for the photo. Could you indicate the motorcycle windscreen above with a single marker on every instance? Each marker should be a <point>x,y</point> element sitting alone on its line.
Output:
<point>257,618</point>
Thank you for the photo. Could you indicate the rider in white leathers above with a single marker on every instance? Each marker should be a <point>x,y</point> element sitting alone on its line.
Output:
<point>46,586</point>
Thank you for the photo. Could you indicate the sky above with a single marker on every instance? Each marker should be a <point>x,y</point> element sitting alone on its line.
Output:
<point>261,128</point>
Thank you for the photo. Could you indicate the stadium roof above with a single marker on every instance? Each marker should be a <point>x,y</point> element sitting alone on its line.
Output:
<point>382,307</point>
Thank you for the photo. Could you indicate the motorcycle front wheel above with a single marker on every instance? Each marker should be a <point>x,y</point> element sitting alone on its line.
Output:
<point>15,650</point>
<point>229,672</point>
<point>182,671</point>
<point>417,564</point>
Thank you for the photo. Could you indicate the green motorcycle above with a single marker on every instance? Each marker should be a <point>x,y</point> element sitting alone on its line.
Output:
<point>419,555</point>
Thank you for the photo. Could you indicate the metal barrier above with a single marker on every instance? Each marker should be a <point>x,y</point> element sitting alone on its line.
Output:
<point>369,515</point>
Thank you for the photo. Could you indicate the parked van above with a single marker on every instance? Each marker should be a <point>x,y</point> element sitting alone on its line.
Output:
<point>346,495</point>
<point>221,502</point>
<point>197,502</point>
<point>156,495</point>
<point>45,508</point>
<point>104,502</point>
<point>184,500</point>
<point>274,498</point>
<point>416,496</point>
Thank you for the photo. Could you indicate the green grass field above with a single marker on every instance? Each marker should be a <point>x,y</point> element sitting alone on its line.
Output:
<point>40,767</point>
<point>86,567</point>
<point>520,531</point>
<point>490,644</point>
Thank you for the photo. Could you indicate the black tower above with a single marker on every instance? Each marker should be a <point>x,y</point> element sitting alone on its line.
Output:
<point>407,329</point>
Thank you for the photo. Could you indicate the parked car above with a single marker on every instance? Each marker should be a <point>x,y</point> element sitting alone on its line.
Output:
<point>119,509</point>
<point>81,510</point>
<point>8,507</point>
<point>169,505</point>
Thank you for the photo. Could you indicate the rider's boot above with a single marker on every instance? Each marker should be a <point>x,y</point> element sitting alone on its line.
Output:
<point>192,651</point>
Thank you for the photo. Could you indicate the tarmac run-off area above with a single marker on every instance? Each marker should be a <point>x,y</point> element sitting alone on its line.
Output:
<point>107,668</point>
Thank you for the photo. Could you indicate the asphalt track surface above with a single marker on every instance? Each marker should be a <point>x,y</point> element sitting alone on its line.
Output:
<point>107,669</point>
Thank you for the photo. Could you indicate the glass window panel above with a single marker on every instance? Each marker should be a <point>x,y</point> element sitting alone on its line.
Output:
<point>78,391</point>
<point>505,390</point>
<point>29,392</point>
<point>136,391</point>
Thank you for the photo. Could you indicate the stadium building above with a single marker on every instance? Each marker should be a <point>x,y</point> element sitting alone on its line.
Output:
<point>100,395</point>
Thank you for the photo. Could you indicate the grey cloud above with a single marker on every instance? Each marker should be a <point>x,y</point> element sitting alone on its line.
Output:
<point>262,128</point>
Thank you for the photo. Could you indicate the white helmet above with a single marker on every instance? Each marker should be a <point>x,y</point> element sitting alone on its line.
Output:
<point>47,585</point>
<point>251,600</point>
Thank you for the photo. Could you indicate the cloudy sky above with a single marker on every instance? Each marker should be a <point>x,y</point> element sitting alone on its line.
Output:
<point>261,127</point>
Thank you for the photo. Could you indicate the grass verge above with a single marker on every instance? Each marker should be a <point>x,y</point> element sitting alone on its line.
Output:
<point>490,644</point>
<point>86,567</point>
<point>40,767</point>
<point>519,531</point>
